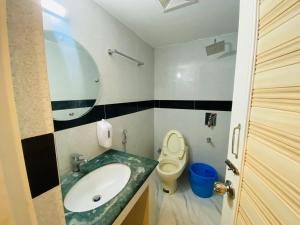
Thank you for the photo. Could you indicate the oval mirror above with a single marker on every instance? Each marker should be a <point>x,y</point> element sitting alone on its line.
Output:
<point>73,76</point>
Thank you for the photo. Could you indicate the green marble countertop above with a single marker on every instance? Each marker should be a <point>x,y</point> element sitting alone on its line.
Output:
<point>106,214</point>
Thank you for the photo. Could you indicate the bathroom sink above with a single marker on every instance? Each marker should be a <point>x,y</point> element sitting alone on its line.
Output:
<point>97,187</point>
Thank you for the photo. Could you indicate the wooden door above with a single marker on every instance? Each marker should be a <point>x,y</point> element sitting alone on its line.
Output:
<point>270,192</point>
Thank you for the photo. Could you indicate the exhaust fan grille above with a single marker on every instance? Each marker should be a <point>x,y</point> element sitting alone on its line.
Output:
<point>169,5</point>
<point>164,3</point>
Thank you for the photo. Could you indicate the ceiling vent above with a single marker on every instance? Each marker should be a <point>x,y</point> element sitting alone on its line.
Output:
<point>170,5</point>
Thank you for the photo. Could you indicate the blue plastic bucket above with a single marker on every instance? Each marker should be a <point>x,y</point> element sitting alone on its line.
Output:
<point>202,178</point>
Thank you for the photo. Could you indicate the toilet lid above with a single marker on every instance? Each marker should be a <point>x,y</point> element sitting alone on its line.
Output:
<point>174,144</point>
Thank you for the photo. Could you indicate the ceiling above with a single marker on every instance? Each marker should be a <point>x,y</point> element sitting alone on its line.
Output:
<point>146,18</point>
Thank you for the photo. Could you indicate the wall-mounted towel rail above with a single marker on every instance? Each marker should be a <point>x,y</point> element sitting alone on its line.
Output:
<point>112,51</point>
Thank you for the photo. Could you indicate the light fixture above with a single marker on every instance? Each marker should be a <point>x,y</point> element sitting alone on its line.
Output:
<point>53,7</point>
<point>169,5</point>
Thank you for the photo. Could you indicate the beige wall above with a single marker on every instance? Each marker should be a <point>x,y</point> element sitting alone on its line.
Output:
<point>28,67</point>
<point>31,90</point>
<point>48,208</point>
<point>16,205</point>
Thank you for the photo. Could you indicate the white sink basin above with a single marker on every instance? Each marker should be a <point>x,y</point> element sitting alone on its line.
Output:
<point>97,187</point>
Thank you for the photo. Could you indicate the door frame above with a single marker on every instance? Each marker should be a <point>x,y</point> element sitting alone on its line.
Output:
<point>16,203</point>
<point>244,70</point>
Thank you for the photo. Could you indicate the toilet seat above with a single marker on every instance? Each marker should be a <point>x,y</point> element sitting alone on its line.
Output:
<point>172,160</point>
<point>173,145</point>
<point>168,166</point>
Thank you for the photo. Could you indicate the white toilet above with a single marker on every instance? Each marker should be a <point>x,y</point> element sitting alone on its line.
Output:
<point>172,160</point>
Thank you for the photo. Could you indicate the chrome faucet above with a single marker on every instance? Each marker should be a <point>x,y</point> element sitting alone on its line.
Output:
<point>77,161</point>
<point>124,140</point>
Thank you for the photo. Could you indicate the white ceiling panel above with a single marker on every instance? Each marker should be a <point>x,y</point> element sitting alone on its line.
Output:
<point>148,20</point>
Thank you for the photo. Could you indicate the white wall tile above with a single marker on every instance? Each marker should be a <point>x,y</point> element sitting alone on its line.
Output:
<point>191,124</point>
<point>83,139</point>
<point>121,80</point>
<point>140,136</point>
<point>184,71</point>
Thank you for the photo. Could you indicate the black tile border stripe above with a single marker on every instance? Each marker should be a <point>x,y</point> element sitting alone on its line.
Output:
<point>144,105</point>
<point>104,112</point>
<point>114,110</point>
<point>40,161</point>
<point>177,104</point>
<point>95,114</point>
<point>39,151</point>
<point>213,105</point>
<point>72,104</point>
<point>194,104</point>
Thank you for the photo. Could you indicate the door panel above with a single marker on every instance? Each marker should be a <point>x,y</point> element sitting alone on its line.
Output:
<point>285,11</point>
<point>267,199</point>
<point>281,77</point>
<point>249,202</point>
<point>284,35</point>
<point>270,191</point>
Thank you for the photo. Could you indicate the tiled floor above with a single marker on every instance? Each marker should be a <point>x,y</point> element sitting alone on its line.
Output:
<point>185,208</point>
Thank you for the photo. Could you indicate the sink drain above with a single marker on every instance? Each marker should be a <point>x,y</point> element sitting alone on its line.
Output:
<point>96,198</point>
